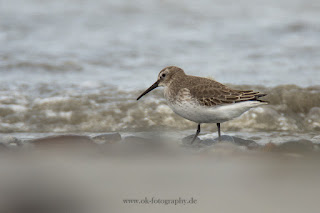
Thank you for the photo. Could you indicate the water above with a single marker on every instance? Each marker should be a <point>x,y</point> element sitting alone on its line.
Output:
<point>126,43</point>
<point>78,65</point>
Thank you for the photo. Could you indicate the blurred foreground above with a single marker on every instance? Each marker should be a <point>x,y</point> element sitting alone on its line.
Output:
<point>74,173</point>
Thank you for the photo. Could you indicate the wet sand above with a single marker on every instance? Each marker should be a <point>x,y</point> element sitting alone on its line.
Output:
<point>81,173</point>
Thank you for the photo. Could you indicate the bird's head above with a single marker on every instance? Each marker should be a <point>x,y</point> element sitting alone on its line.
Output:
<point>165,78</point>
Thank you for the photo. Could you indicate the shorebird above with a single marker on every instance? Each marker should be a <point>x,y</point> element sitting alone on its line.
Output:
<point>203,100</point>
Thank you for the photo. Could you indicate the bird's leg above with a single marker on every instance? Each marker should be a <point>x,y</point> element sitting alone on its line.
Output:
<point>219,133</point>
<point>196,135</point>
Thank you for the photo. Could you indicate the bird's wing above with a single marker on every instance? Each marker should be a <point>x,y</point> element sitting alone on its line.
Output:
<point>218,94</point>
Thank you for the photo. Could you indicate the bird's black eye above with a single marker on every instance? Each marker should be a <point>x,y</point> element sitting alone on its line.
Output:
<point>163,75</point>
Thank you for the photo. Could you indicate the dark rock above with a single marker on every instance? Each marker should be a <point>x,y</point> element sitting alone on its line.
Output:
<point>63,141</point>
<point>254,138</point>
<point>226,138</point>
<point>107,138</point>
<point>248,143</point>
<point>187,140</point>
<point>209,142</point>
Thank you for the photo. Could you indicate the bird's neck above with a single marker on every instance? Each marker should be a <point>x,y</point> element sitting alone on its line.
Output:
<point>175,85</point>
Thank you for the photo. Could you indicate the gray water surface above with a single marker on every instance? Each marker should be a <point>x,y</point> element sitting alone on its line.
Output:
<point>126,43</point>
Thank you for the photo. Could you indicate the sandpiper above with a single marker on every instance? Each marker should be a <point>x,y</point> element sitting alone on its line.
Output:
<point>203,100</point>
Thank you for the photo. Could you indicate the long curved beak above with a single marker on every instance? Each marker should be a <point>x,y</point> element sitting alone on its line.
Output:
<point>155,85</point>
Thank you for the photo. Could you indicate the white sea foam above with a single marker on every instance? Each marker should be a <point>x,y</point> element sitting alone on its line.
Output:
<point>47,108</point>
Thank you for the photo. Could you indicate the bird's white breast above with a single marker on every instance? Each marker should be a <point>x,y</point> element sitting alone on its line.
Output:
<point>188,107</point>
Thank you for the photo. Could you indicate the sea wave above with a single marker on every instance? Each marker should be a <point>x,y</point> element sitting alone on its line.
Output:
<point>102,108</point>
